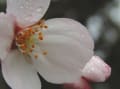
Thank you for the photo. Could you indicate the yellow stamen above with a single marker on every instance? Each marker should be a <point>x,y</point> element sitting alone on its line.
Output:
<point>33,46</point>
<point>26,38</point>
<point>45,53</point>
<point>40,37</point>
<point>45,26</point>
<point>36,56</point>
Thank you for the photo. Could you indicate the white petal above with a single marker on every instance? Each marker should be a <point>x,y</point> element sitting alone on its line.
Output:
<point>27,12</point>
<point>96,70</point>
<point>71,29</point>
<point>6,34</point>
<point>68,47</point>
<point>18,73</point>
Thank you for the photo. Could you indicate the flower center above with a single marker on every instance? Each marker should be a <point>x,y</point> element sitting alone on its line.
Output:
<point>25,39</point>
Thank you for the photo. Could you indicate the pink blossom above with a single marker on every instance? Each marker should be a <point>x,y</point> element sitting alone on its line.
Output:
<point>58,48</point>
<point>96,70</point>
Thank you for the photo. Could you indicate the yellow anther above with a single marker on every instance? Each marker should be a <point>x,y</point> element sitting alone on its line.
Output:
<point>33,32</point>
<point>23,46</point>
<point>41,26</point>
<point>33,46</point>
<point>36,30</point>
<point>40,37</point>
<point>36,56</point>
<point>45,53</point>
<point>45,26</point>
<point>40,34</point>
<point>31,50</point>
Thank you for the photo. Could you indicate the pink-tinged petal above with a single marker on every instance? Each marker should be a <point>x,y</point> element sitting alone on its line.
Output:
<point>27,12</point>
<point>81,84</point>
<point>70,28</point>
<point>6,34</point>
<point>65,49</point>
<point>96,70</point>
<point>18,73</point>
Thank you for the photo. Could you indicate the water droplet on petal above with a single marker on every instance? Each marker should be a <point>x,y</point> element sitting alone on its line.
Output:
<point>39,10</point>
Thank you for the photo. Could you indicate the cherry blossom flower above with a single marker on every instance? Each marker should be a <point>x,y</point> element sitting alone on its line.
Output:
<point>96,70</point>
<point>58,48</point>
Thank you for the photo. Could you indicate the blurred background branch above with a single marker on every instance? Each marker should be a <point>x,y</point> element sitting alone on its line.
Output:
<point>2,5</point>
